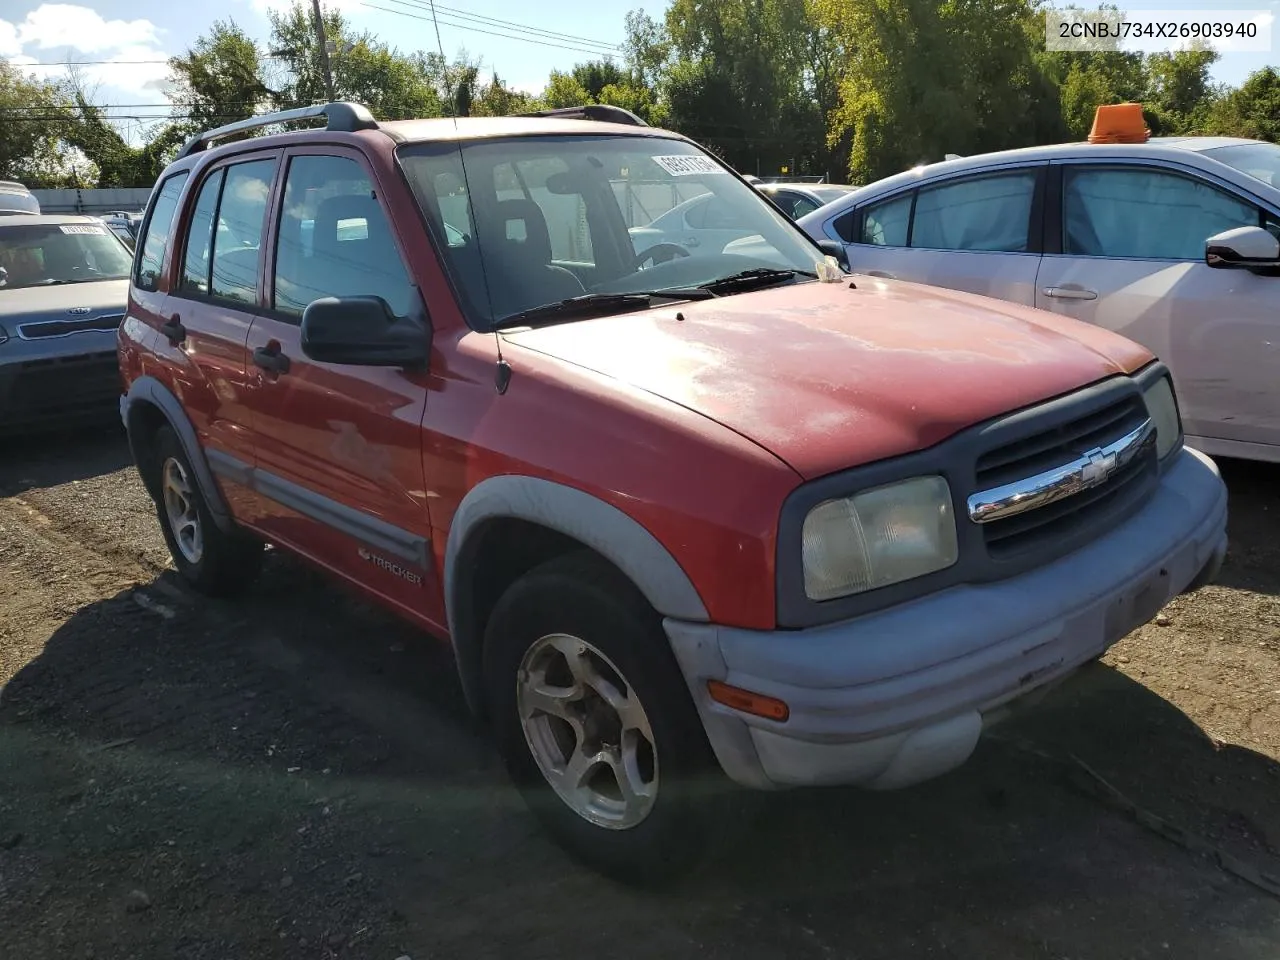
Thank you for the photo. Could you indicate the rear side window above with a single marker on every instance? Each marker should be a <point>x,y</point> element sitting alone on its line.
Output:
<point>155,238</point>
<point>885,223</point>
<point>237,237</point>
<point>335,240</point>
<point>983,213</point>
<point>195,267</point>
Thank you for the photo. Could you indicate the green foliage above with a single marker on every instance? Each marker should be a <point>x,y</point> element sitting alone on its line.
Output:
<point>595,75</point>
<point>495,99</point>
<point>1180,94</point>
<point>855,88</point>
<point>219,79</point>
<point>34,118</point>
<point>925,78</point>
<point>1252,111</point>
<point>391,84</point>
<point>564,90</point>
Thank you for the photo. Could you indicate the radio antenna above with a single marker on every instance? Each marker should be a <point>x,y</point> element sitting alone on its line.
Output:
<point>444,64</point>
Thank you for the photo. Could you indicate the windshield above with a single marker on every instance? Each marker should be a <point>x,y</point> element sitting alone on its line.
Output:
<point>1259,160</point>
<point>44,254</point>
<point>531,221</point>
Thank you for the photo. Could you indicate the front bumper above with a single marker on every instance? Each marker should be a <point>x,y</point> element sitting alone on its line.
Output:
<point>902,695</point>
<point>39,393</point>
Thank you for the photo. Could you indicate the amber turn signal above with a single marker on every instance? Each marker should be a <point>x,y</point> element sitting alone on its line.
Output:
<point>756,704</point>
<point>1119,123</point>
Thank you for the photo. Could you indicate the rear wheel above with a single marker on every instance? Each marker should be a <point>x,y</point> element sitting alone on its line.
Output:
<point>214,561</point>
<point>596,726</point>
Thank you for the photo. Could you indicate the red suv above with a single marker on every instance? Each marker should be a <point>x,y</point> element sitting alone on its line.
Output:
<point>679,511</point>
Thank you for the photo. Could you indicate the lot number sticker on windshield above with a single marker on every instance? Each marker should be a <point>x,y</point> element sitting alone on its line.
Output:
<point>90,229</point>
<point>687,166</point>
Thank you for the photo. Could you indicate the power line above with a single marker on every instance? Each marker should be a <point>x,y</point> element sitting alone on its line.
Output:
<point>82,63</point>
<point>109,63</point>
<point>505,36</point>
<point>453,12</point>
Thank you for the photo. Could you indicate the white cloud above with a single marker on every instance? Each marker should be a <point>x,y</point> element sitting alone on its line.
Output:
<point>63,25</point>
<point>9,43</point>
<point>125,73</point>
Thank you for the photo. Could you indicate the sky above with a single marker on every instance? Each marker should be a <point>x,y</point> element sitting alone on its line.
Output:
<point>124,43</point>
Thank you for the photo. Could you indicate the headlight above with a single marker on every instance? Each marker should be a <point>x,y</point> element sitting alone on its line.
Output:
<point>881,536</point>
<point>1163,411</point>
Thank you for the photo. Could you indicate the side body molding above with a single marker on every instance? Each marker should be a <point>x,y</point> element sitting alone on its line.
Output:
<point>594,523</point>
<point>150,390</point>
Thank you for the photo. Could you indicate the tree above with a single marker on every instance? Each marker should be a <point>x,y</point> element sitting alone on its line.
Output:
<point>35,117</point>
<point>495,99</point>
<point>393,85</point>
<point>647,49</point>
<point>1251,111</point>
<point>219,79</point>
<point>594,75</point>
<point>1180,93</point>
<point>564,90</point>
<point>1093,79</point>
<point>925,78</point>
<point>740,76</point>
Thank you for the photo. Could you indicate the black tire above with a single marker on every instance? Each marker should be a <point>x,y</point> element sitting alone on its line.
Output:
<point>227,563</point>
<point>584,597</point>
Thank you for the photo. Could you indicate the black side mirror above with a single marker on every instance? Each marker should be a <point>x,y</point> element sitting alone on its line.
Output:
<point>838,250</point>
<point>362,331</point>
<point>1244,248</point>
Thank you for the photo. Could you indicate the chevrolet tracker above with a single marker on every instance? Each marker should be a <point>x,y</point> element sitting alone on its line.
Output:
<point>686,516</point>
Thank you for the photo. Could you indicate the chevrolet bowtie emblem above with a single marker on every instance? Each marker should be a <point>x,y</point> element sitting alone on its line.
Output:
<point>1098,467</point>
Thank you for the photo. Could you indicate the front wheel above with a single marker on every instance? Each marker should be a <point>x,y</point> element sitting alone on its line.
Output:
<point>596,726</point>
<point>213,561</point>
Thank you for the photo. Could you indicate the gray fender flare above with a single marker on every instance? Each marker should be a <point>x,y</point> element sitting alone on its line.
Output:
<point>152,391</point>
<point>567,510</point>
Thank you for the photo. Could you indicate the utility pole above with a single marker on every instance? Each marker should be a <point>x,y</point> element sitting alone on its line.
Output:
<point>324,51</point>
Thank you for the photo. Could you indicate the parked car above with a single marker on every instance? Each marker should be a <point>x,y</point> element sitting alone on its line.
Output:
<point>1173,242</point>
<point>16,198</point>
<point>706,222</point>
<point>674,518</point>
<point>798,199</point>
<point>63,287</point>
<point>122,227</point>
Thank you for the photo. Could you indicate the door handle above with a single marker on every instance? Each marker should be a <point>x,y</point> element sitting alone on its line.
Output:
<point>271,359</point>
<point>1070,292</point>
<point>882,274</point>
<point>173,330</point>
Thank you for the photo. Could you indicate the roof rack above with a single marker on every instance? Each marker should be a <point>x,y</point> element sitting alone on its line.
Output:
<point>600,112</point>
<point>344,117</point>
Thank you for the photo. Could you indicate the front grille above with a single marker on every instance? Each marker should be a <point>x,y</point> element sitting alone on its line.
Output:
<point>1090,509</point>
<point>62,328</point>
<point>52,389</point>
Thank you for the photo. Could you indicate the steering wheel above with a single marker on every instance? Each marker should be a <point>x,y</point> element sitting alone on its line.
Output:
<point>659,253</point>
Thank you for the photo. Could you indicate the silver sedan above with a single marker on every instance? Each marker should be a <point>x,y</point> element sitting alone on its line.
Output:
<point>1172,242</point>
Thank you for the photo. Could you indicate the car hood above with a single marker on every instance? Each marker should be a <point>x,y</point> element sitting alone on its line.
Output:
<point>54,303</point>
<point>827,376</point>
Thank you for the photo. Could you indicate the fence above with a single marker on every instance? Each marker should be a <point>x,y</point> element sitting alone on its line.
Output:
<point>92,202</point>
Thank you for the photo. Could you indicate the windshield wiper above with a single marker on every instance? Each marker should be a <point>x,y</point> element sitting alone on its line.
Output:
<point>597,304</point>
<point>755,277</point>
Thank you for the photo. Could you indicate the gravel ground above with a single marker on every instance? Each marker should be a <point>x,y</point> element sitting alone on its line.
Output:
<point>293,775</point>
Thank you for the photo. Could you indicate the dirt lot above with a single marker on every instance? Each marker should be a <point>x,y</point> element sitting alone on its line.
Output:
<point>293,775</point>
